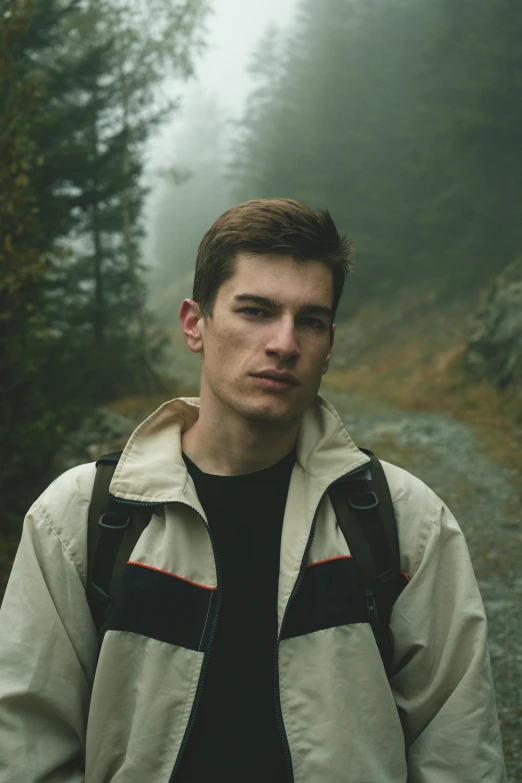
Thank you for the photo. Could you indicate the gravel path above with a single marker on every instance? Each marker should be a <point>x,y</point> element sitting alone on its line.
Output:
<point>485,499</point>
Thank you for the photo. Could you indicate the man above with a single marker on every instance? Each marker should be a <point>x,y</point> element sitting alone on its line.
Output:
<point>238,648</point>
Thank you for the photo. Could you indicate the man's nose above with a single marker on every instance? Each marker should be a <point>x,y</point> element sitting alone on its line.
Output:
<point>283,341</point>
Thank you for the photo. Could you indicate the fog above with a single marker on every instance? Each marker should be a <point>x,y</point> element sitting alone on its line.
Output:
<point>233,30</point>
<point>221,81</point>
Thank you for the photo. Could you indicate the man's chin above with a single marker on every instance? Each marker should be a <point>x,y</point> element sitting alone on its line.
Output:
<point>273,413</point>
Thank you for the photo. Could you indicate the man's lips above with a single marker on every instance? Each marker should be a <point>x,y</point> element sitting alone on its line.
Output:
<point>283,378</point>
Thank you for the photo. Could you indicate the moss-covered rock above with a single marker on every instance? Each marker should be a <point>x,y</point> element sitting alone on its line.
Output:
<point>495,338</point>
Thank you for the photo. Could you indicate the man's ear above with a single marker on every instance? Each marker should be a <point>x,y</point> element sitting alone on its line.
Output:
<point>190,318</point>
<point>329,354</point>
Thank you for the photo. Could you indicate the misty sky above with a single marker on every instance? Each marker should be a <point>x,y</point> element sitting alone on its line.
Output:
<point>233,29</point>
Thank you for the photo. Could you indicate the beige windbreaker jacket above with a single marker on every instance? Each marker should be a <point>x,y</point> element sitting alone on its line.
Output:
<point>341,721</point>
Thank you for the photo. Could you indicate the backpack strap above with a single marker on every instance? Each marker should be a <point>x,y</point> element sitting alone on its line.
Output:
<point>112,532</point>
<point>365,514</point>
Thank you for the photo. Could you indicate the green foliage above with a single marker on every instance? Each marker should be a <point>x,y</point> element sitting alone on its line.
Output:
<point>22,88</point>
<point>77,79</point>
<point>472,106</point>
<point>24,256</point>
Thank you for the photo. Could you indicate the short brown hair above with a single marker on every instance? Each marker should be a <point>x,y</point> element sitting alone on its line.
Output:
<point>278,225</point>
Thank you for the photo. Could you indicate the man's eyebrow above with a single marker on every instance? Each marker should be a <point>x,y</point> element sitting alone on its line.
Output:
<point>263,301</point>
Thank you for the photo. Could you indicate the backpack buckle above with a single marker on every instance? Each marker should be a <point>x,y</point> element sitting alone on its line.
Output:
<point>370,497</point>
<point>116,524</point>
<point>371,606</point>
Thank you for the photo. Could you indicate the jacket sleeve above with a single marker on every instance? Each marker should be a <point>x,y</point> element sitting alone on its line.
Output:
<point>442,679</point>
<point>47,643</point>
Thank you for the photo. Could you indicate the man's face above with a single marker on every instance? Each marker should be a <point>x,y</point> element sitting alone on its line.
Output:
<point>268,342</point>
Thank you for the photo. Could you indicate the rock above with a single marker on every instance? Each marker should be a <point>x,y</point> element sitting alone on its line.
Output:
<point>495,339</point>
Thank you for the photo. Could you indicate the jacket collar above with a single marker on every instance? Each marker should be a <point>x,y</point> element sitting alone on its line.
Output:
<point>151,468</point>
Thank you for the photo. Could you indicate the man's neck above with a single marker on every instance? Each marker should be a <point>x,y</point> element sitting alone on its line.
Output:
<point>236,446</point>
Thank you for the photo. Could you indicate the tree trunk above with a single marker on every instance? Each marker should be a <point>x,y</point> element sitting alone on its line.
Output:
<point>99,323</point>
<point>131,262</point>
<point>151,376</point>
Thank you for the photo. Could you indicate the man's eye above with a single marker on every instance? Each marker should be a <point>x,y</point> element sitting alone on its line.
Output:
<point>258,312</point>
<point>254,311</point>
<point>315,323</point>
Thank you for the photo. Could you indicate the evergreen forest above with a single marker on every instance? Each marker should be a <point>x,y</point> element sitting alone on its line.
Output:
<point>79,97</point>
<point>402,117</point>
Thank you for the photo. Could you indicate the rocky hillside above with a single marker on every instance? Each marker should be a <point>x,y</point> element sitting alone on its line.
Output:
<point>495,338</point>
<point>419,352</point>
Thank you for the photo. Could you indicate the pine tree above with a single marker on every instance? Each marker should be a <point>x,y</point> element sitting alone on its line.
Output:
<point>471,218</point>
<point>28,32</point>
<point>71,161</point>
<point>112,63</point>
<point>147,39</point>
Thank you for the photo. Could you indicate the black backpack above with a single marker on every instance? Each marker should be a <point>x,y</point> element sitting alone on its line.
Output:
<point>364,512</point>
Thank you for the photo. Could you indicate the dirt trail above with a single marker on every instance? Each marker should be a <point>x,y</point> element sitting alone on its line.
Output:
<point>485,499</point>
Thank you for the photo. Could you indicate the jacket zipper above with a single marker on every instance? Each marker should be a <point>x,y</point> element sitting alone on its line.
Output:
<point>204,667</point>
<point>297,585</point>
<point>141,503</point>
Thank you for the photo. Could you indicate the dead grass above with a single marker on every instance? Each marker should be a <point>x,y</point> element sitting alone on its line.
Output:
<point>416,364</point>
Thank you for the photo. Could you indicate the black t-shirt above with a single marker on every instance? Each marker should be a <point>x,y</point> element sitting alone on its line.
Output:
<point>235,735</point>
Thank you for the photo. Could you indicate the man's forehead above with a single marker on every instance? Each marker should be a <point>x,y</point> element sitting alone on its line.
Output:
<point>279,278</point>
